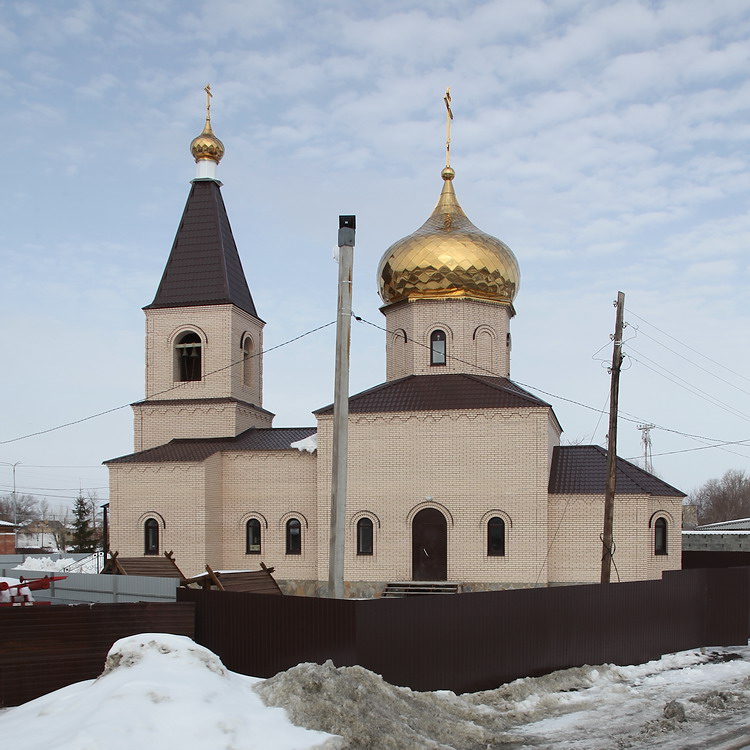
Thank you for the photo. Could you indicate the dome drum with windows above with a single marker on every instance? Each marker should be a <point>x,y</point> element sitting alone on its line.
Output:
<point>448,257</point>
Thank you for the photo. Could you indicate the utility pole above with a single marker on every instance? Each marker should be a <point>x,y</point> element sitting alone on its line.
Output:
<point>609,494</point>
<point>15,499</point>
<point>347,225</point>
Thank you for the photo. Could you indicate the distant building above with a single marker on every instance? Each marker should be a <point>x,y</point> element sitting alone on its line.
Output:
<point>724,536</point>
<point>455,472</point>
<point>7,538</point>
<point>41,535</point>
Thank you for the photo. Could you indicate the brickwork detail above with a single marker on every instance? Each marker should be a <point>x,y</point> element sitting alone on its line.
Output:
<point>478,337</point>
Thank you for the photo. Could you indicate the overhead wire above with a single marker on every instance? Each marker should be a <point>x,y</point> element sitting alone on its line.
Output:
<point>621,414</point>
<point>166,390</point>
<point>687,346</point>
<point>682,383</point>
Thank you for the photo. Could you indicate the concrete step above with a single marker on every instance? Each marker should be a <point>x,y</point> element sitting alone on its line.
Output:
<point>419,588</point>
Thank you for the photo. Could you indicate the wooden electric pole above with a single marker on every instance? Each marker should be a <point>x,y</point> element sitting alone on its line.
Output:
<point>339,453</point>
<point>609,494</point>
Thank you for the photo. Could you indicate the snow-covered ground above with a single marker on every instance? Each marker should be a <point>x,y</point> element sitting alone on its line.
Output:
<point>156,691</point>
<point>47,564</point>
<point>165,691</point>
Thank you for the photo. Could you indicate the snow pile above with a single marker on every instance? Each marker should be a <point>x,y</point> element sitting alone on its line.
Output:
<point>45,564</point>
<point>360,706</point>
<point>309,444</point>
<point>7,594</point>
<point>670,703</point>
<point>157,690</point>
<point>48,565</point>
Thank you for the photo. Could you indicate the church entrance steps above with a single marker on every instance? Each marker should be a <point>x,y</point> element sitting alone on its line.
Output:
<point>419,588</point>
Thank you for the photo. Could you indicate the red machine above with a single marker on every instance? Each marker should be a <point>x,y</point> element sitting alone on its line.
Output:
<point>18,597</point>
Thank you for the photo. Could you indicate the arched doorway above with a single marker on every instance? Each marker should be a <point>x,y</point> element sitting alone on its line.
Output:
<point>429,546</point>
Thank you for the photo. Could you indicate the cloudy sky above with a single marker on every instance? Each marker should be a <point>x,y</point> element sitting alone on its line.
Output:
<point>606,142</point>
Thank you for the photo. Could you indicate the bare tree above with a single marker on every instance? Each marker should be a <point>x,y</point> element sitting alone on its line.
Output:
<point>59,526</point>
<point>42,508</point>
<point>723,499</point>
<point>95,510</point>
<point>20,510</point>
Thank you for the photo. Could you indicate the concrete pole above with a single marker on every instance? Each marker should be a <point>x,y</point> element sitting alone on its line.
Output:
<point>15,500</point>
<point>347,225</point>
<point>609,494</point>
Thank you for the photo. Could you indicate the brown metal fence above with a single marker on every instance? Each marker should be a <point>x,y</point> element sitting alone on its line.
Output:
<point>478,641</point>
<point>465,642</point>
<point>46,648</point>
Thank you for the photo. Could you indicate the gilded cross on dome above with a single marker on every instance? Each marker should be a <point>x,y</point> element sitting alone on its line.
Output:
<point>448,118</point>
<point>206,146</point>
<point>209,96</point>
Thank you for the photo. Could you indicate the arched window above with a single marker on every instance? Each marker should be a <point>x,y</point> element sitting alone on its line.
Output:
<point>437,348</point>
<point>293,537</point>
<point>252,536</point>
<point>151,537</point>
<point>496,537</point>
<point>188,357</point>
<point>660,536</point>
<point>364,536</point>
<point>248,361</point>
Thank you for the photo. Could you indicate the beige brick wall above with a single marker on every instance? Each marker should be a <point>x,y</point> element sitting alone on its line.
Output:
<point>203,508</point>
<point>172,493</point>
<point>272,486</point>
<point>222,329</point>
<point>575,525</point>
<point>468,465</point>
<point>158,424</point>
<point>477,334</point>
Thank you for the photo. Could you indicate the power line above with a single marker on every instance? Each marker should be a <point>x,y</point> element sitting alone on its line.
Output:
<point>687,346</point>
<point>166,390</point>
<point>688,386</point>
<point>621,415</point>
<point>695,364</point>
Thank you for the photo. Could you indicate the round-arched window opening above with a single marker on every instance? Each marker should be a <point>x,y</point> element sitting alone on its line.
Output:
<point>438,348</point>
<point>188,351</point>
<point>293,537</point>
<point>364,536</point>
<point>252,537</point>
<point>496,537</point>
<point>151,537</point>
<point>660,536</point>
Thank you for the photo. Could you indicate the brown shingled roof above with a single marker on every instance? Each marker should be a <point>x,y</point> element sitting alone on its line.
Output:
<point>440,392</point>
<point>199,449</point>
<point>204,266</point>
<point>198,401</point>
<point>582,470</point>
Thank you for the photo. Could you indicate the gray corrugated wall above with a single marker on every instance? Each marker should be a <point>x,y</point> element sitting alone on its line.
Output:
<point>79,588</point>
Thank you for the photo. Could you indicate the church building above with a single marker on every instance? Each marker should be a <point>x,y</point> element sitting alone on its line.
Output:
<point>455,473</point>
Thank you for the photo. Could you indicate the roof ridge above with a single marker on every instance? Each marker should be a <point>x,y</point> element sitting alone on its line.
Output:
<point>516,390</point>
<point>367,392</point>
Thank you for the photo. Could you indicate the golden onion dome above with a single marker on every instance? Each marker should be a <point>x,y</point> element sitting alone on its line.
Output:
<point>448,257</point>
<point>207,145</point>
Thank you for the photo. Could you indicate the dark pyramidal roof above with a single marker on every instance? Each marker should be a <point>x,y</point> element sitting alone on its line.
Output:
<point>199,449</point>
<point>440,392</point>
<point>204,266</point>
<point>582,470</point>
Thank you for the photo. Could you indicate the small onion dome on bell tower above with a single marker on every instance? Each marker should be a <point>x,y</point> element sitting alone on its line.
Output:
<point>448,257</point>
<point>206,148</point>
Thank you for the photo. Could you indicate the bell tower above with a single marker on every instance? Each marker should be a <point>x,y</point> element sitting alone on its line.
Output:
<point>204,339</point>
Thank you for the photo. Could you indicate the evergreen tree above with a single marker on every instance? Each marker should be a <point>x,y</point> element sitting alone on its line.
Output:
<point>83,538</point>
